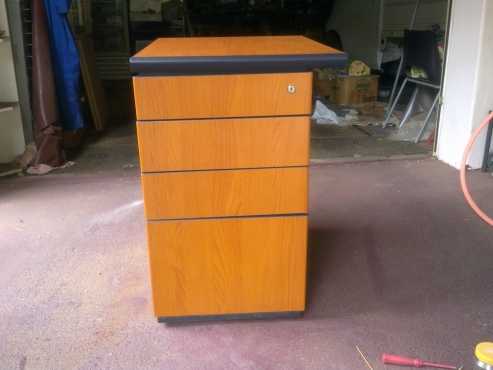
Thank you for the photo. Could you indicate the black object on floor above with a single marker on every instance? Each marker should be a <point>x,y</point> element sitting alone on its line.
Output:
<point>488,157</point>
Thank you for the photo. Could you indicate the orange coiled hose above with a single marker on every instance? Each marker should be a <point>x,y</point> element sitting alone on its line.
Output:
<point>463,171</point>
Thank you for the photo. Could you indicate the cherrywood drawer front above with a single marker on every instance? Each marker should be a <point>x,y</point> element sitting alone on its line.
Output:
<point>226,266</point>
<point>176,195</point>
<point>223,143</point>
<point>254,95</point>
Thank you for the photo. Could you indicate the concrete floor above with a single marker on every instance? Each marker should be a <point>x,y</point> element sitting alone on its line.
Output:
<point>330,143</point>
<point>398,263</point>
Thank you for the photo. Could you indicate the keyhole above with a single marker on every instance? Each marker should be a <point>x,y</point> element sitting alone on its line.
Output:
<point>291,88</point>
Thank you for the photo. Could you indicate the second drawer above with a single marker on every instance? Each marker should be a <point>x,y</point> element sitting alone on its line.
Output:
<point>199,194</point>
<point>223,143</point>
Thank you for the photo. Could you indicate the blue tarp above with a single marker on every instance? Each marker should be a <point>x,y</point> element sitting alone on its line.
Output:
<point>66,65</point>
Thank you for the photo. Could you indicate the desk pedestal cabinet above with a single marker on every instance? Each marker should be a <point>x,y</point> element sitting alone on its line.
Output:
<point>223,128</point>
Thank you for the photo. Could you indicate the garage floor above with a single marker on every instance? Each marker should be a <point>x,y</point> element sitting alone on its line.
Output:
<point>333,143</point>
<point>398,263</point>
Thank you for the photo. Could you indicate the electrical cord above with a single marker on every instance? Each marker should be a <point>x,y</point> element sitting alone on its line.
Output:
<point>463,171</point>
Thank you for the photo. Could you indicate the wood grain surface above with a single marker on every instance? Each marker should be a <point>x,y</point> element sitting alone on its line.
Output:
<point>175,195</point>
<point>228,266</point>
<point>233,46</point>
<point>223,143</point>
<point>220,96</point>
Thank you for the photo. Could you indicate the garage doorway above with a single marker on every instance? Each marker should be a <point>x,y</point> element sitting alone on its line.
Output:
<point>374,32</point>
<point>369,31</point>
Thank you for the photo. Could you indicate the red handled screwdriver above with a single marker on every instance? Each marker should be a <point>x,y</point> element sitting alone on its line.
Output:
<point>414,362</point>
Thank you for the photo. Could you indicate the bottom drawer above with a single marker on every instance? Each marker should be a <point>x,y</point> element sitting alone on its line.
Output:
<point>228,266</point>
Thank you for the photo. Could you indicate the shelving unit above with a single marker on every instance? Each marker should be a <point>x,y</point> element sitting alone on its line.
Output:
<point>11,130</point>
<point>7,106</point>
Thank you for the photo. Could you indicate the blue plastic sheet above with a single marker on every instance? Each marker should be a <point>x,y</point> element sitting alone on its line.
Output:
<point>66,64</point>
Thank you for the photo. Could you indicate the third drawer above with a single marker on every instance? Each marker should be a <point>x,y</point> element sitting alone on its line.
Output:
<point>228,193</point>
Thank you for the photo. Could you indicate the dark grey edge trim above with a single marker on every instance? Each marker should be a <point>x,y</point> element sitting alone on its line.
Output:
<point>218,218</point>
<point>171,120</point>
<point>170,320</point>
<point>163,66</point>
<point>223,169</point>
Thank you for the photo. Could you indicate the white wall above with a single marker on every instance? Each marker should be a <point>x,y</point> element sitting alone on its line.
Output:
<point>484,84</point>
<point>358,22</point>
<point>11,131</point>
<point>468,85</point>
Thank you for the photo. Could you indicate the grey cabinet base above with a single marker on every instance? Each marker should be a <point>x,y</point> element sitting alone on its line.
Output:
<point>230,317</point>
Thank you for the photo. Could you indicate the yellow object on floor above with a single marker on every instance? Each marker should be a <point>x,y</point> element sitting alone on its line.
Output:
<point>358,68</point>
<point>484,353</point>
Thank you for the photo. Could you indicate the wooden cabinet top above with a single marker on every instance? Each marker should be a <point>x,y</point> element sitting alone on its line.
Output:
<point>250,54</point>
<point>233,46</point>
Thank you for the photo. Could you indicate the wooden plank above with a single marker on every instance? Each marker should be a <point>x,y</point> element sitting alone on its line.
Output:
<point>233,46</point>
<point>195,194</point>
<point>249,95</point>
<point>214,267</point>
<point>223,143</point>
<point>92,84</point>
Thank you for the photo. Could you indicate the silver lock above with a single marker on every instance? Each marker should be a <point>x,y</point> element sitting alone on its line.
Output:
<point>291,88</point>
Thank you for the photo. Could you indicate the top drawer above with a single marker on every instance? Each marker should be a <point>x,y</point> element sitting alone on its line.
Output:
<point>218,96</point>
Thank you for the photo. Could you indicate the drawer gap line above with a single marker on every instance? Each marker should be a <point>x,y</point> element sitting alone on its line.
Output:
<point>281,215</point>
<point>223,169</point>
<point>158,120</point>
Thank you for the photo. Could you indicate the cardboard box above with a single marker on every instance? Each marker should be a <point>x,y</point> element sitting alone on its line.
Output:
<point>326,89</point>
<point>348,90</point>
<point>352,90</point>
